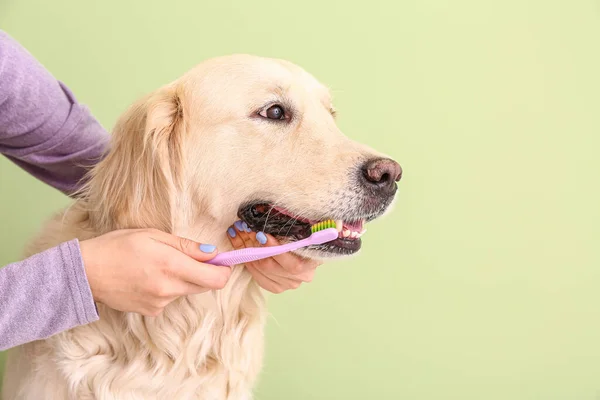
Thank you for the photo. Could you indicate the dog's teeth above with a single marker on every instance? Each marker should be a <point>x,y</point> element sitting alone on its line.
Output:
<point>339,225</point>
<point>359,234</point>
<point>354,235</point>
<point>346,233</point>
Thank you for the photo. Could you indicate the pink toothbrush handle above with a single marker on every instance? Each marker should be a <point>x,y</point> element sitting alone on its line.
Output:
<point>258,253</point>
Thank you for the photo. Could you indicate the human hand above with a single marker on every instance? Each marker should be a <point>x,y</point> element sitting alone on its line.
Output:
<point>143,270</point>
<point>275,274</point>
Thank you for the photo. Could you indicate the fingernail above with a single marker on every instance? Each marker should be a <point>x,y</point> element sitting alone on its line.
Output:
<point>247,228</point>
<point>239,225</point>
<point>207,248</point>
<point>261,237</point>
<point>231,232</point>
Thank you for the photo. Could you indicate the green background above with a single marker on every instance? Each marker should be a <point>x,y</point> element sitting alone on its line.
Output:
<point>484,283</point>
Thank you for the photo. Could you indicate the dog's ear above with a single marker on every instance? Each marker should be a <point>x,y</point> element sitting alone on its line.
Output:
<point>135,185</point>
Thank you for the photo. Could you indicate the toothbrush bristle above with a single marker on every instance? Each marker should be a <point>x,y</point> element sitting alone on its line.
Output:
<point>319,226</point>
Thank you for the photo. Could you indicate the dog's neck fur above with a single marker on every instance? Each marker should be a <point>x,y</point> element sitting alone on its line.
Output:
<point>200,341</point>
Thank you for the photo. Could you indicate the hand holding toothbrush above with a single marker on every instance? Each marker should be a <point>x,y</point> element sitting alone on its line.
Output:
<point>275,274</point>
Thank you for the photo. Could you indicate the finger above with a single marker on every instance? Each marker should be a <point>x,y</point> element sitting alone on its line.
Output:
<point>269,284</point>
<point>244,232</point>
<point>292,263</point>
<point>275,271</point>
<point>239,235</point>
<point>198,251</point>
<point>187,288</point>
<point>203,275</point>
<point>271,268</point>
<point>235,238</point>
<point>249,242</point>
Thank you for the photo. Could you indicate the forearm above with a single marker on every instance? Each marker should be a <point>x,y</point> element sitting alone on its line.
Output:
<point>43,128</point>
<point>43,295</point>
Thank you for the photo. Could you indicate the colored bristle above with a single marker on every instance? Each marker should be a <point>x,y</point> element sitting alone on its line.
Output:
<point>319,226</point>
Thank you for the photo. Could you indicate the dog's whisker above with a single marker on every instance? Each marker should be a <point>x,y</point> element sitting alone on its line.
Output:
<point>293,223</point>
<point>292,220</point>
<point>273,205</point>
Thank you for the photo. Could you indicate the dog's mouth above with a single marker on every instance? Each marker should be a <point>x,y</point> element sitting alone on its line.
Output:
<point>288,227</point>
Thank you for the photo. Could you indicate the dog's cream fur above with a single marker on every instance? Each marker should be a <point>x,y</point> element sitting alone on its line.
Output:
<point>183,159</point>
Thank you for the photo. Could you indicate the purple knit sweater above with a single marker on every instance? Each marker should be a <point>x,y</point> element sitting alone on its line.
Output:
<point>47,133</point>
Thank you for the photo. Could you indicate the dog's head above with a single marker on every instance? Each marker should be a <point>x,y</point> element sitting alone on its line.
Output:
<point>242,136</point>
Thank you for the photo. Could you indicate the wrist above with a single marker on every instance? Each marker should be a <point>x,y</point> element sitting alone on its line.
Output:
<point>89,267</point>
<point>79,281</point>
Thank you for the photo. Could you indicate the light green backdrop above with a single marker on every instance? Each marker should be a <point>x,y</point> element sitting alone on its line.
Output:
<point>484,283</point>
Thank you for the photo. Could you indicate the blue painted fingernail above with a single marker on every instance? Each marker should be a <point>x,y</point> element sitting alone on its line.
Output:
<point>261,237</point>
<point>247,228</point>
<point>239,225</point>
<point>244,226</point>
<point>207,248</point>
<point>231,232</point>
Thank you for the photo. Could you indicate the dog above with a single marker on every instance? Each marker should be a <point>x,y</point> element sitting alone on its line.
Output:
<point>237,136</point>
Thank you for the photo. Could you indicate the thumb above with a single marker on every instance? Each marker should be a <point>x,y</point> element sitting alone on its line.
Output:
<point>198,251</point>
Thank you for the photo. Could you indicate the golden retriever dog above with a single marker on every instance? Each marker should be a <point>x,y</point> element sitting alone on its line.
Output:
<point>236,137</point>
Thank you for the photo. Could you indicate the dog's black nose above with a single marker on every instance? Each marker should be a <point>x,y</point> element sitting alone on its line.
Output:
<point>381,174</point>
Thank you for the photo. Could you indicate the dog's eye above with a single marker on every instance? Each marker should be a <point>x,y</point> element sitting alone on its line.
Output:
<point>273,112</point>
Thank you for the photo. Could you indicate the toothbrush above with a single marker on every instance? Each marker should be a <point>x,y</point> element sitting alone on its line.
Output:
<point>322,232</point>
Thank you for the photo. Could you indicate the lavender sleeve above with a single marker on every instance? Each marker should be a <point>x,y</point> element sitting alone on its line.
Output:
<point>45,131</point>
<point>43,295</point>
